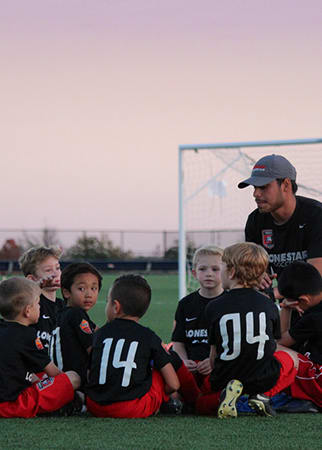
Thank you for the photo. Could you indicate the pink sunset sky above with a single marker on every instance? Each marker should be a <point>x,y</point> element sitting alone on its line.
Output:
<point>96,96</point>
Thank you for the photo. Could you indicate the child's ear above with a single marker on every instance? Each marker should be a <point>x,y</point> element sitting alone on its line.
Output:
<point>66,293</point>
<point>31,277</point>
<point>26,311</point>
<point>194,273</point>
<point>117,306</point>
<point>231,273</point>
<point>304,299</point>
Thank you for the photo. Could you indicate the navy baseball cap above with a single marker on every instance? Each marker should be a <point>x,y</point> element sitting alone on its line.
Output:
<point>267,169</point>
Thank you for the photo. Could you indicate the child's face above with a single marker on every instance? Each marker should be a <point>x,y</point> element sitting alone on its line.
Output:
<point>207,271</point>
<point>83,292</point>
<point>34,310</point>
<point>49,268</point>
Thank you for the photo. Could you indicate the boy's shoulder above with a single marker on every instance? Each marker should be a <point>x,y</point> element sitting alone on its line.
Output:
<point>240,298</point>
<point>192,297</point>
<point>123,328</point>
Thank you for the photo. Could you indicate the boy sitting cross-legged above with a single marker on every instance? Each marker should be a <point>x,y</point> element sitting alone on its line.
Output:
<point>243,327</point>
<point>41,264</point>
<point>301,285</point>
<point>22,354</point>
<point>190,333</point>
<point>122,382</point>
<point>72,338</point>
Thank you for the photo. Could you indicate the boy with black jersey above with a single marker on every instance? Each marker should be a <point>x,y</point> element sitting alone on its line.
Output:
<point>301,285</point>
<point>22,354</point>
<point>72,338</point>
<point>190,333</point>
<point>121,380</point>
<point>243,327</point>
<point>41,264</point>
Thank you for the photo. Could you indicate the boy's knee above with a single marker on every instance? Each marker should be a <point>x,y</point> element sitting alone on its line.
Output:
<point>74,378</point>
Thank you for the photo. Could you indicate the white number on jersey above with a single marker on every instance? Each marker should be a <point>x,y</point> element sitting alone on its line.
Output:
<point>55,348</point>
<point>128,364</point>
<point>234,318</point>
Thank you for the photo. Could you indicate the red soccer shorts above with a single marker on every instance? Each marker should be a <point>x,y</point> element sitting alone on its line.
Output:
<point>45,396</point>
<point>142,407</point>
<point>308,381</point>
<point>287,373</point>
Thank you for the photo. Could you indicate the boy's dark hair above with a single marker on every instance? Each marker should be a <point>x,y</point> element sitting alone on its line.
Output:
<point>134,294</point>
<point>299,278</point>
<point>15,294</point>
<point>72,270</point>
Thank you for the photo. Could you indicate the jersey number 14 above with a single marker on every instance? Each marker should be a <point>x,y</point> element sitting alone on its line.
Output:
<point>128,365</point>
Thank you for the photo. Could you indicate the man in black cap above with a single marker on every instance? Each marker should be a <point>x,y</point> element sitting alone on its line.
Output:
<point>289,227</point>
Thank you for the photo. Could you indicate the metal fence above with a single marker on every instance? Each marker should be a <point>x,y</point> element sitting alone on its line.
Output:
<point>142,243</point>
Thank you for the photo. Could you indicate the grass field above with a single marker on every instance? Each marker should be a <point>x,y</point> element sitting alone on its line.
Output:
<point>287,431</point>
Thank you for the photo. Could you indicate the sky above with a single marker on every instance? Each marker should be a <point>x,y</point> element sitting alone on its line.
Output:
<point>97,95</point>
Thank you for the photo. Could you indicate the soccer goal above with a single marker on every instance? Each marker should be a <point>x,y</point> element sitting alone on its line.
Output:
<point>212,210</point>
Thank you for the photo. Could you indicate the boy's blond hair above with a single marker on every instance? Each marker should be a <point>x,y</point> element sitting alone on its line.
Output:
<point>249,261</point>
<point>207,250</point>
<point>15,294</point>
<point>30,260</point>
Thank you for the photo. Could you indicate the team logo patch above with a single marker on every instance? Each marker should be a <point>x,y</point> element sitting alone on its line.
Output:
<point>39,343</point>
<point>45,383</point>
<point>267,238</point>
<point>84,326</point>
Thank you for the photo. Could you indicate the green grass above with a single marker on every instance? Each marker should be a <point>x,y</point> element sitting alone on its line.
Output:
<point>286,431</point>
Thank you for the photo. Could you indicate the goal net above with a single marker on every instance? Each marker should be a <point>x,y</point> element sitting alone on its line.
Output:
<point>212,210</point>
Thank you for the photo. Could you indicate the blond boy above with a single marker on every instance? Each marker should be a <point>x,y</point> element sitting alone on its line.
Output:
<point>22,354</point>
<point>190,334</point>
<point>41,264</point>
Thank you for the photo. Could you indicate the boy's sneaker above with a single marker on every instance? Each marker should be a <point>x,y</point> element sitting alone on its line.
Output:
<point>172,406</point>
<point>228,399</point>
<point>262,405</point>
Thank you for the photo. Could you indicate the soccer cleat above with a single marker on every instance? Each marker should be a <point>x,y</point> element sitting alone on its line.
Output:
<point>228,399</point>
<point>296,405</point>
<point>261,404</point>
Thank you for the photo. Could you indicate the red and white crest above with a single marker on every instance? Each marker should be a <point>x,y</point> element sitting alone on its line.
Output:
<point>39,343</point>
<point>84,325</point>
<point>267,238</point>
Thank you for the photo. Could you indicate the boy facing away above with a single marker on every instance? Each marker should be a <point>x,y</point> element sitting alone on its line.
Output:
<point>41,264</point>
<point>190,333</point>
<point>243,327</point>
<point>122,382</point>
<point>72,338</point>
<point>22,354</point>
<point>301,285</point>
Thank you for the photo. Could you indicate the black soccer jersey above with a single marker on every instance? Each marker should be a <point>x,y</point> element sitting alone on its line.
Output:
<point>308,331</point>
<point>192,326</point>
<point>299,239</point>
<point>71,339</point>
<point>120,368</point>
<point>21,354</point>
<point>243,327</point>
<point>47,319</point>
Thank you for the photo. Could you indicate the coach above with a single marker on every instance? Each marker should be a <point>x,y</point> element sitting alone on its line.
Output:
<point>288,226</point>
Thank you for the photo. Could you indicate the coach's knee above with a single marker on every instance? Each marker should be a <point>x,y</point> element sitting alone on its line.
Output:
<point>74,378</point>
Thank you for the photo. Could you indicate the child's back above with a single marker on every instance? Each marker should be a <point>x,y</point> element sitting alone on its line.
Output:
<point>121,361</point>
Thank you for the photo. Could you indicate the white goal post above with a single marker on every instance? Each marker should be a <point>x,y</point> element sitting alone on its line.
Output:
<point>211,205</point>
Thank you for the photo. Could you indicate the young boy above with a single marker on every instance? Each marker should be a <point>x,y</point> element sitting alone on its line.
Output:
<point>301,285</point>
<point>41,264</point>
<point>22,354</point>
<point>72,338</point>
<point>190,333</point>
<point>243,327</point>
<point>121,380</point>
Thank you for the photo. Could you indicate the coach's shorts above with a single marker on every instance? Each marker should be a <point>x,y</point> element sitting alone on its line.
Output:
<point>308,381</point>
<point>287,373</point>
<point>142,407</point>
<point>45,396</point>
